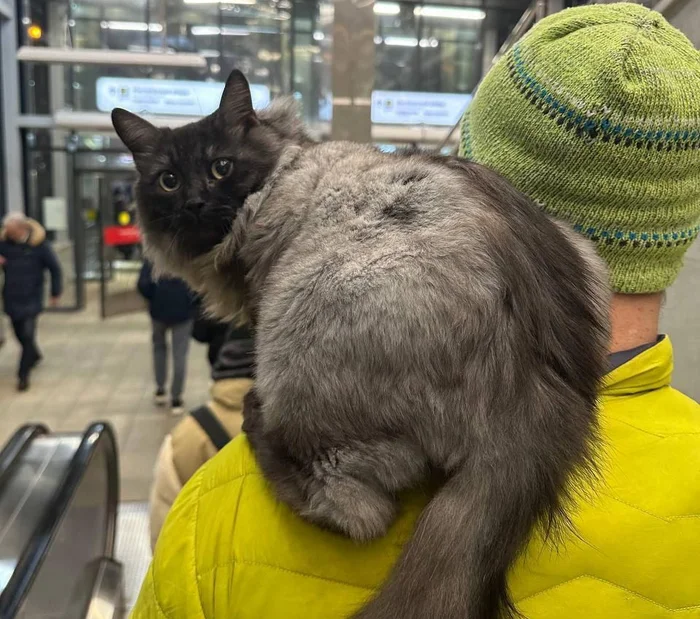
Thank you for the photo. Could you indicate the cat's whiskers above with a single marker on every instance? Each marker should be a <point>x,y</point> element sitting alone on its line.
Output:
<point>173,241</point>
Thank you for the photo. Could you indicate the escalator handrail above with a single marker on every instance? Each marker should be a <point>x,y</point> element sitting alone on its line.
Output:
<point>96,435</point>
<point>16,446</point>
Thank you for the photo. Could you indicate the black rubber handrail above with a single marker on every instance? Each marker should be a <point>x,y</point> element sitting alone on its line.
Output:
<point>98,436</point>
<point>16,446</point>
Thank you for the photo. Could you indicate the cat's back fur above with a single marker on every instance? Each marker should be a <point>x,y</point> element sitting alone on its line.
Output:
<point>413,257</point>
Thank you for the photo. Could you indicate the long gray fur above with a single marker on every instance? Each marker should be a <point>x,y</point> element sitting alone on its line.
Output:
<point>413,315</point>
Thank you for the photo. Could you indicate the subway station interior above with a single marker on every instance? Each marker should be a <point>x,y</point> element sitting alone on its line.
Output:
<point>81,443</point>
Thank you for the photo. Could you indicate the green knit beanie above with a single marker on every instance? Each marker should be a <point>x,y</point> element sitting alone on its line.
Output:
<point>595,115</point>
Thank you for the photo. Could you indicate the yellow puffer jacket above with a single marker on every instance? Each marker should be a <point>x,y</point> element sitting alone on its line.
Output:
<point>230,550</point>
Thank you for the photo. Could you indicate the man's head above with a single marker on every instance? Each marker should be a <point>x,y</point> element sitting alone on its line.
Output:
<point>595,115</point>
<point>16,227</point>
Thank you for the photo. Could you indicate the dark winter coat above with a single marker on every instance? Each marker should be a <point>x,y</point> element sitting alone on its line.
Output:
<point>25,263</point>
<point>169,300</point>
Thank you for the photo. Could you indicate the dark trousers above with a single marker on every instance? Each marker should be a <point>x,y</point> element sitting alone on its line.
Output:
<point>181,334</point>
<point>25,331</point>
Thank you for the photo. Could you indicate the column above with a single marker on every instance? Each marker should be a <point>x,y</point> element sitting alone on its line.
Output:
<point>9,91</point>
<point>353,70</point>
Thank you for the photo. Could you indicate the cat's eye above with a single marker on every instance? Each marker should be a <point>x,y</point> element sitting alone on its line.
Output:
<point>221,168</point>
<point>169,181</point>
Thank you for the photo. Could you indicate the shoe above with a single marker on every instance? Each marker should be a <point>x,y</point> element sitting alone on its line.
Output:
<point>177,407</point>
<point>23,384</point>
<point>160,398</point>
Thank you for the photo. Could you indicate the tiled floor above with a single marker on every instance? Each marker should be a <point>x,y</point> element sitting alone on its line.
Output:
<point>98,370</point>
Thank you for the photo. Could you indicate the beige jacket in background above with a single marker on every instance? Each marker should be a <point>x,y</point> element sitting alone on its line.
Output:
<point>188,447</point>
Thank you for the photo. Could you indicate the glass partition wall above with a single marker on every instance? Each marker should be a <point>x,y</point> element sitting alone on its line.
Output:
<point>284,46</point>
<point>427,60</point>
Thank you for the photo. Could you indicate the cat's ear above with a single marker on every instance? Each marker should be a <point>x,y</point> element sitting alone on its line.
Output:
<point>138,135</point>
<point>236,105</point>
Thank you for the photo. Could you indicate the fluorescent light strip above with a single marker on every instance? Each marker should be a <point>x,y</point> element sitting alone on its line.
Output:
<point>444,12</point>
<point>231,31</point>
<point>407,41</point>
<point>246,2</point>
<point>401,41</point>
<point>132,26</point>
<point>206,31</point>
<point>213,31</point>
<point>448,12</point>
<point>386,8</point>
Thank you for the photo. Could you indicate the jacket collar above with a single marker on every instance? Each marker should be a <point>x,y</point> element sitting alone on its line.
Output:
<point>649,370</point>
<point>36,237</point>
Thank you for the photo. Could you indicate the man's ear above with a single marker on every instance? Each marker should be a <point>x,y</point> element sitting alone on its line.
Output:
<point>138,135</point>
<point>236,107</point>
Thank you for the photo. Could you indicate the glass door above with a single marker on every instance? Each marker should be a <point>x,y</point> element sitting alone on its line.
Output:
<point>112,240</point>
<point>50,200</point>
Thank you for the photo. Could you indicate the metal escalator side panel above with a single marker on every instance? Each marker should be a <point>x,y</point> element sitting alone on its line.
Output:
<point>16,446</point>
<point>28,491</point>
<point>76,529</point>
<point>65,581</point>
<point>105,601</point>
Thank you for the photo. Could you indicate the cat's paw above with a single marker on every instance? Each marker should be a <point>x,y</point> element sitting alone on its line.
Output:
<point>349,506</point>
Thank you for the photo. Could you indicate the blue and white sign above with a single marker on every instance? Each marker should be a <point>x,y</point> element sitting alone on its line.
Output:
<point>168,97</point>
<point>418,108</point>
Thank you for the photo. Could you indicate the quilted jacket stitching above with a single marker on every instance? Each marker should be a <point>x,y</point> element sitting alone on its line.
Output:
<point>194,522</point>
<point>200,575</point>
<point>228,482</point>
<point>667,519</point>
<point>642,430</point>
<point>282,569</point>
<point>160,610</point>
<point>611,584</point>
<point>665,435</point>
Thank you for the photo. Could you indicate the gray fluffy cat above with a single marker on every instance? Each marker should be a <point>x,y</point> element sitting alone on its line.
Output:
<point>415,315</point>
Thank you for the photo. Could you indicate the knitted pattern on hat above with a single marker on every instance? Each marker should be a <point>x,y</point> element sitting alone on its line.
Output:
<point>595,115</point>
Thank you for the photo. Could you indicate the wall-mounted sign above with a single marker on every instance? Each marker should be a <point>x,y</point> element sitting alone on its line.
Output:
<point>167,97</point>
<point>418,108</point>
<point>55,213</point>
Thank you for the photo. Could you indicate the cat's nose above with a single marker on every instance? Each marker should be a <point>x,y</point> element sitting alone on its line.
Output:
<point>194,205</point>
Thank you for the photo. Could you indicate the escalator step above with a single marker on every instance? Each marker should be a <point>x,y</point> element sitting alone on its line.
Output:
<point>133,548</point>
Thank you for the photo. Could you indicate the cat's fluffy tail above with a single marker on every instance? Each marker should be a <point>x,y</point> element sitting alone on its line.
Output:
<point>455,565</point>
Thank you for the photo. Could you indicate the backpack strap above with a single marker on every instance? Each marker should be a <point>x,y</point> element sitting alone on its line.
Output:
<point>212,427</point>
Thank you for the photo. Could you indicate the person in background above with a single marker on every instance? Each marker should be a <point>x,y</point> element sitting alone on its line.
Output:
<point>207,429</point>
<point>24,255</point>
<point>595,114</point>
<point>171,305</point>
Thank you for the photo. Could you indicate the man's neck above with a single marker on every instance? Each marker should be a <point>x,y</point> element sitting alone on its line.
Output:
<point>634,320</point>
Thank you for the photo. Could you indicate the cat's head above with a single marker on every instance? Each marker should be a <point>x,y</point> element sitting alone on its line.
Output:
<point>193,180</point>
